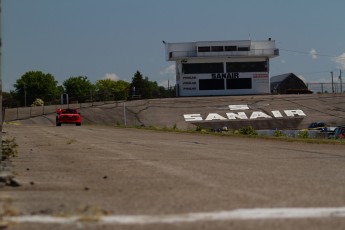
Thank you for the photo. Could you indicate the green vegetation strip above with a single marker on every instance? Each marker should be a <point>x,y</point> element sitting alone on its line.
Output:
<point>246,132</point>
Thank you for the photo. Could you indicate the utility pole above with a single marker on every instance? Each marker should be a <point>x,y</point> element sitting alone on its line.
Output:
<point>124,113</point>
<point>0,91</point>
<point>24,94</point>
<point>341,83</point>
<point>332,82</point>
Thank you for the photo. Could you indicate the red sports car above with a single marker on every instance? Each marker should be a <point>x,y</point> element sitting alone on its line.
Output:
<point>68,116</point>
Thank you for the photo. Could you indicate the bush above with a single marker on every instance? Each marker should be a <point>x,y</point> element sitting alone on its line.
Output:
<point>9,148</point>
<point>247,131</point>
<point>198,128</point>
<point>303,134</point>
<point>38,102</point>
<point>278,133</point>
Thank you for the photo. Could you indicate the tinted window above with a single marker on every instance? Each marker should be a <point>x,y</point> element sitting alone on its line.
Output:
<point>246,67</point>
<point>243,48</point>
<point>211,84</point>
<point>195,68</point>
<point>230,48</point>
<point>239,83</point>
<point>203,49</point>
<point>217,48</point>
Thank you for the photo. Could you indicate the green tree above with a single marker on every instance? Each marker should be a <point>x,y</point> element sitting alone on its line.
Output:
<point>163,92</point>
<point>104,89</point>
<point>36,84</point>
<point>152,88</point>
<point>107,88</point>
<point>138,85</point>
<point>9,100</point>
<point>149,89</point>
<point>121,90</point>
<point>144,87</point>
<point>78,88</point>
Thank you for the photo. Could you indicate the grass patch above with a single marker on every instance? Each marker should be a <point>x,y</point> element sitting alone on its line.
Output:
<point>12,123</point>
<point>246,132</point>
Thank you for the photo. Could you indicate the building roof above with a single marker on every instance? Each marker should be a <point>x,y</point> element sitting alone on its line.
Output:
<point>231,48</point>
<point>288,81</point>
<point>282,77</point>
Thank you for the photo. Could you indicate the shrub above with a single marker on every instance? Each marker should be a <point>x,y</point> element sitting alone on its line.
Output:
<point>198,128</point>
<point>278,133</point>
<point>9,148</point>
<point>249,130</point>
<point>303,134</point>
<point>38,102</point>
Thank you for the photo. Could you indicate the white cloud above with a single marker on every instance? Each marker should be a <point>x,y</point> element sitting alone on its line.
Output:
<point>111,76</point>
<point>313,53</point>
<point>169,70</point>
<point>340,60</point>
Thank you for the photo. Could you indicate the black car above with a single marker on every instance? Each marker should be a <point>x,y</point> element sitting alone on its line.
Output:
<point>318,126</point>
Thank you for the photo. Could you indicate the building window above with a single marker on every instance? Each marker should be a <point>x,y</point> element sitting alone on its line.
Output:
<point>211,84</point>
<point>230,48</point>
<point>245,48</point>
<point>217,48</point>
<point>246,67</point>
<point>203,49</point>
<point>239,83</point>
<point>199,68</point>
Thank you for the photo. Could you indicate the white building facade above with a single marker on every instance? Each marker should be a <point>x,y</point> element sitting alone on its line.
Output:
<point>222,67</point>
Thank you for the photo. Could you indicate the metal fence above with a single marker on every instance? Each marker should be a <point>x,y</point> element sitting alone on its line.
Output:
<point>20,113</point>
<point>328,87</point>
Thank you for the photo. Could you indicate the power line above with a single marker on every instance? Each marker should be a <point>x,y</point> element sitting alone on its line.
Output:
<point>317,72</point>
<point>311,73</point>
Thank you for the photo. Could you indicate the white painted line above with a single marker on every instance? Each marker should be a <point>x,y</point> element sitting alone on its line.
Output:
<point>238,214</point>
<point>238,107</point>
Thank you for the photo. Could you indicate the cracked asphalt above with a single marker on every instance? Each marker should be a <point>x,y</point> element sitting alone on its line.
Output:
<point>96,170</point>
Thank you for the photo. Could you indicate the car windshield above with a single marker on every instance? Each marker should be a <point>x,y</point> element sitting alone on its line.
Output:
<point>70,111</point>
<point>315,125</point>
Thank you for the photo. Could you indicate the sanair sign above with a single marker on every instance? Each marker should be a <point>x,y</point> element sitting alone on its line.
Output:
<point>244,116</point>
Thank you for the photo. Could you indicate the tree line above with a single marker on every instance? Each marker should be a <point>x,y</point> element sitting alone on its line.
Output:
<point>36,86</point>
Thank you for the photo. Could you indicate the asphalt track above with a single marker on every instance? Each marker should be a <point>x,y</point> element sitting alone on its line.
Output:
<point>169,112</point>
<point>101,177</point>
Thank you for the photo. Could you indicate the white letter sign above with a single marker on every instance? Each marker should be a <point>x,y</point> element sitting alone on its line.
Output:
<point>192,117</point>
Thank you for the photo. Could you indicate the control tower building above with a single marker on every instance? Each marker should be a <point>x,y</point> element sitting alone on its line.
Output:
<point>215,68</point>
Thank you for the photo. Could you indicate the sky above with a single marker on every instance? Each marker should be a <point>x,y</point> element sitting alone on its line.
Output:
<point>115,38</point>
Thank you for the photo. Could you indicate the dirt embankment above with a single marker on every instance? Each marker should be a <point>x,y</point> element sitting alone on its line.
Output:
<point>329,108</point>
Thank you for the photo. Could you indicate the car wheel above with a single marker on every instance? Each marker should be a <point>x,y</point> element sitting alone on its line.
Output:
<point>78,124</point>
<point>58,124</point>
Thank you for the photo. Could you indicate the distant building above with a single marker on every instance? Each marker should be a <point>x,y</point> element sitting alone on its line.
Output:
<point>288,83</point>
<point>221,67</point>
